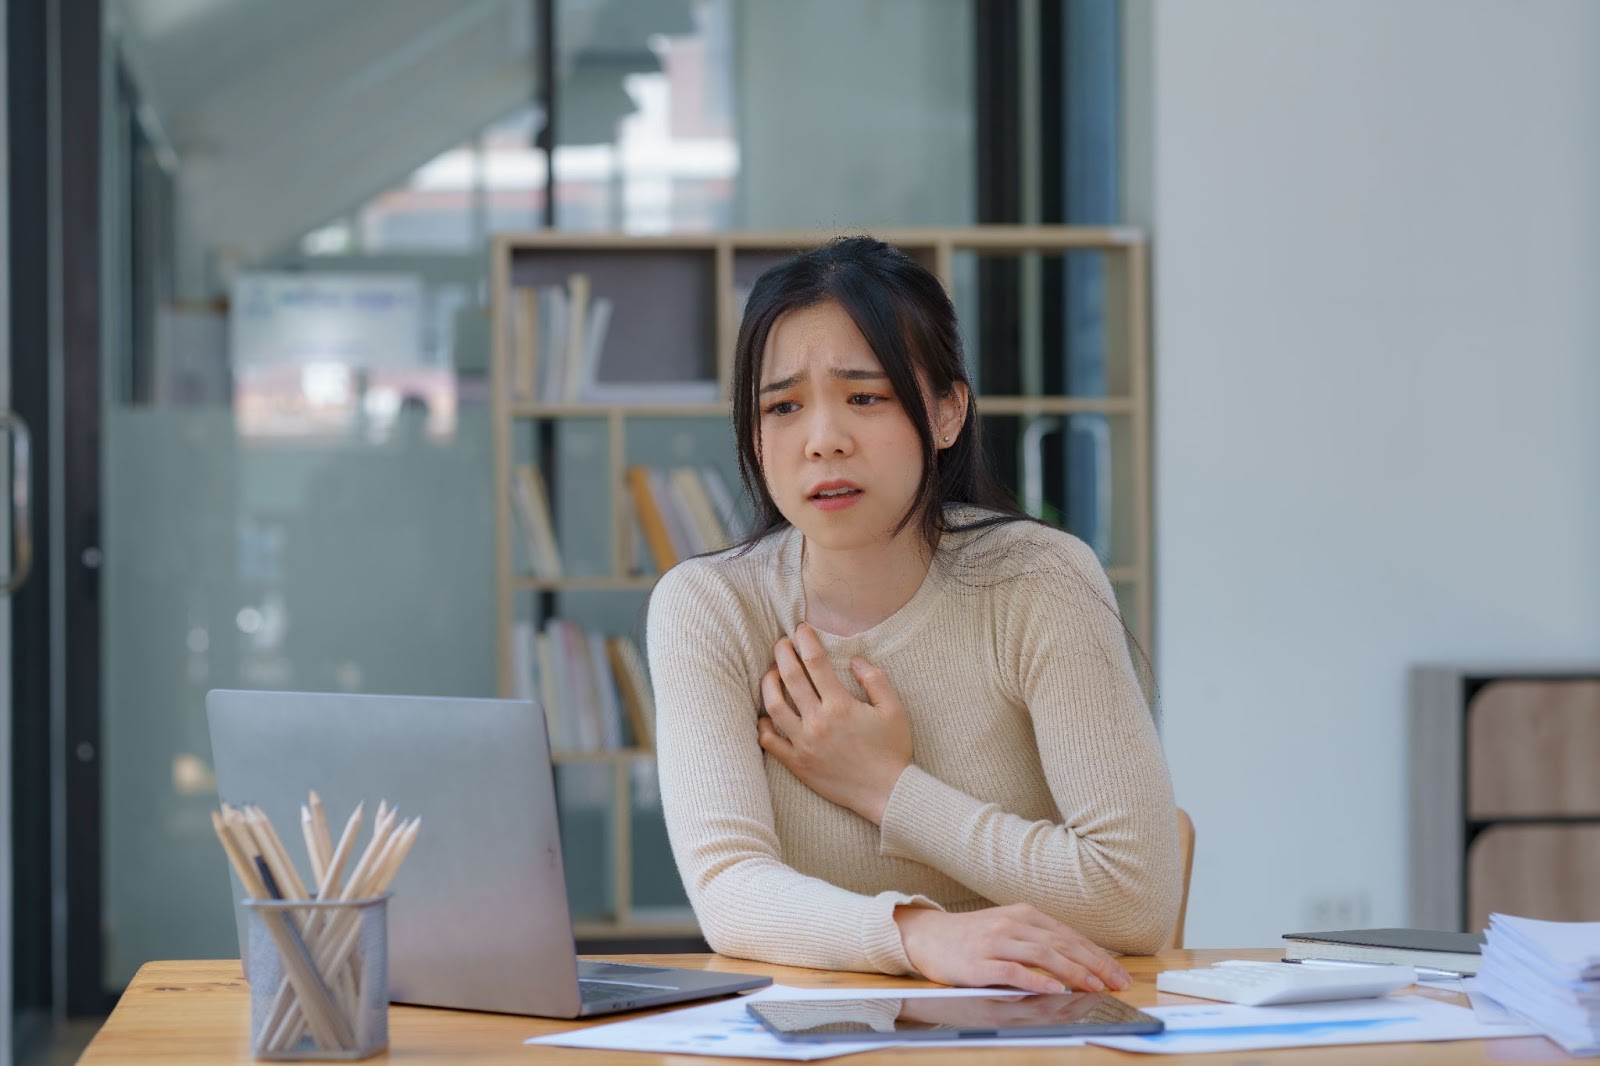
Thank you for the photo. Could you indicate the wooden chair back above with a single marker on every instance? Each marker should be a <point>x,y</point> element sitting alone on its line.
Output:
<point>1186,850</point>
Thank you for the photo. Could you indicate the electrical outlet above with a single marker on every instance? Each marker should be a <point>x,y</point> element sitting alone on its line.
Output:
<point>1337,910</point>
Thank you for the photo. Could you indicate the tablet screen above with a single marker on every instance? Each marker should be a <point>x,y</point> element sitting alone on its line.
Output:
<point>951,1017</point>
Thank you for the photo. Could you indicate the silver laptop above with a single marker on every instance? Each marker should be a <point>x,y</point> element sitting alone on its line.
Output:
<point>478,919</point>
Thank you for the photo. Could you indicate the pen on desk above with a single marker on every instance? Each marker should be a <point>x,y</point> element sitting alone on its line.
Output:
<point>1431,974</point>
<point>1425,972</point>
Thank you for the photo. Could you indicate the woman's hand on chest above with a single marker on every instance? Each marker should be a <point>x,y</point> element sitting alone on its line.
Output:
<point>848,751</point>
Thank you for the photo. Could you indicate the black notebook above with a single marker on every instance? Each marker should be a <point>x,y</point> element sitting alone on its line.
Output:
<point>1433,949</point>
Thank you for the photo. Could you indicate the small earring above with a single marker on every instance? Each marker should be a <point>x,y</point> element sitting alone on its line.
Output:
<point>947,439</point>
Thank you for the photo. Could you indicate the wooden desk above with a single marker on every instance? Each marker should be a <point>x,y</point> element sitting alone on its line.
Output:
<point>199,1012</point>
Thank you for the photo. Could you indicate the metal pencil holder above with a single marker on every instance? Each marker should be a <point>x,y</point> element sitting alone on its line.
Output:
<point>319,978</point>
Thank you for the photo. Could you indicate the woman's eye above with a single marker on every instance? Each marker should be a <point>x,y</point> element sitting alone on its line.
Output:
<point>867,399</point>
<point>782,407</point>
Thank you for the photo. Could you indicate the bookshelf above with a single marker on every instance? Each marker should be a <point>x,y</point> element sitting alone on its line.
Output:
<point>669,329</point>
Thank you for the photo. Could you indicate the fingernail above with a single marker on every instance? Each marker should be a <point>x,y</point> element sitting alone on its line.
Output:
<point>1055,986</point>
<point>1096,985</point>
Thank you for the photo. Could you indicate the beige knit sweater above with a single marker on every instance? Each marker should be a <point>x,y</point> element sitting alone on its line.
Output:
<point>1038,774</point>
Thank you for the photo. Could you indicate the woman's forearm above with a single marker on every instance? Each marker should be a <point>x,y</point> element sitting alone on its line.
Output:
<point>1112,881</point>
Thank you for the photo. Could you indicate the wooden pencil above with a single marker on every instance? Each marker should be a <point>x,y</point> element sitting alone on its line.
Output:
<point>319,825</point>
<point>337,936</point>
<point>322,982</point>
<point>243,851</point>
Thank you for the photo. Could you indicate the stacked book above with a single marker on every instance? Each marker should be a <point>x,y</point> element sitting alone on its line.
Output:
<point>680,512</point>
<point>594,688</point>
<point>1547,973</point>
<point>531,504</point>
<point>557,339</point>
<point>557,334</point>
<point>1436,950</point>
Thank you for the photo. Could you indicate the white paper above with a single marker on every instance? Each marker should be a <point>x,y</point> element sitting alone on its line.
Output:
<point>1487,1010</point>
<point>1567,1024</point>
<point>1568,951</point>
<point>725,1028</point>
<point>1547,973</point>
<point>1386,1020</point>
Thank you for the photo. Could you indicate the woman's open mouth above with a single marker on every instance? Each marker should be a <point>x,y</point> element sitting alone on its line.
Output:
<point>835,495</point>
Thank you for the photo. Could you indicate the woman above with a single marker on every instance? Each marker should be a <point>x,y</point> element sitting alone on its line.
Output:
<point>898,727</point>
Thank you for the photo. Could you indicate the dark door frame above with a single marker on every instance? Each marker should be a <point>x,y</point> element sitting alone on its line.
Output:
<point>31,962</point>
<point>1077,45</point>
<point>79,44</point>
<point>54,50</point>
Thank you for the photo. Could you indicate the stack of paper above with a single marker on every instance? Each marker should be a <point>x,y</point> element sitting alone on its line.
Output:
<point>1549,974</point>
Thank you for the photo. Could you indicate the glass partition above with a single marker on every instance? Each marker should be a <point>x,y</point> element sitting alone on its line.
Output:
<point>298,462</point>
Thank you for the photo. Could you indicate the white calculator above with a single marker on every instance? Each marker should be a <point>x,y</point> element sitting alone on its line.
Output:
<point>1263,984</point>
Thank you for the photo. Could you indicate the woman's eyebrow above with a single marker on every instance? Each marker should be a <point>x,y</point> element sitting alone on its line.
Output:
<point>841,373</point>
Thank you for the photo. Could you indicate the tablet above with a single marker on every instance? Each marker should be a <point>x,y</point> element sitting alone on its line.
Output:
<point>982,1017</point>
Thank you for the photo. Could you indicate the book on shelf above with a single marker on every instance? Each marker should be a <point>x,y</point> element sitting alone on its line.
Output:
<point>594,688</point>
<point>598,321</point>
<point>1431,949</point>
<point>524,345</point>
<point>679,528</point>
<point>680,511</point>
<point>722,500</point>
<point>651,522</point>
<point>572,345</point>
<point>548,344</point>
<point>582,704</point>
<point>524,661</point>
<point>532,506</point>
<point>633,684</point>
<point>550,691</point>
<point>690,488</point>
<point>558,346</point>
<point>612,727</point>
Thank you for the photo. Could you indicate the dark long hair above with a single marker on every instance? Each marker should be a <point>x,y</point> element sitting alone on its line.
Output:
<point>907,318</point>
<point>909,322</point>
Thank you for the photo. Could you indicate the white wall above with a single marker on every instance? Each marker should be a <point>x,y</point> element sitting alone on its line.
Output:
<point>1377,329</point>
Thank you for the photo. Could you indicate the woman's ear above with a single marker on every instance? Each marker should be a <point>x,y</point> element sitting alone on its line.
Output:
<point>950,414</point>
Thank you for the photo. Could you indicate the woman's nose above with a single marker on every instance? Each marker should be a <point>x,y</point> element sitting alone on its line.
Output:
<point>826,434</point>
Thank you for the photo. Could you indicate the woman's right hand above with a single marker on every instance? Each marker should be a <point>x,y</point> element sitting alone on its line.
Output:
<point>1005,946</point>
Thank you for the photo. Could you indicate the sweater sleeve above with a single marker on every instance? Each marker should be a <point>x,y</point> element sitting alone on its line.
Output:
<point>718,806</point>
<point>1111,868</point>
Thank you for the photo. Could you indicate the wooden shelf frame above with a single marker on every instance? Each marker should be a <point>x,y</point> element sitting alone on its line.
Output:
<point>1127,346</point>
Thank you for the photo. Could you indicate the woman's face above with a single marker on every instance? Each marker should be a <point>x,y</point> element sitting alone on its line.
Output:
<point>839,454</point>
